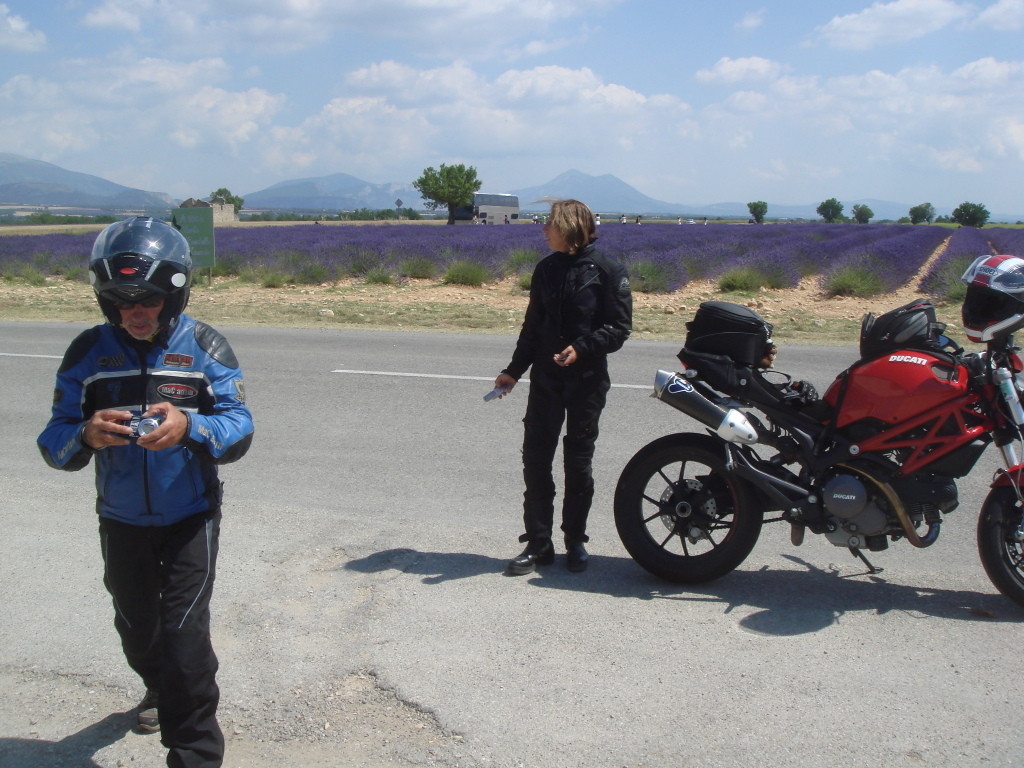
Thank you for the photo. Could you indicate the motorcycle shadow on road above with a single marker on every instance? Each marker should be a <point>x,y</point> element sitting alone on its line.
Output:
<point>74,751</point>
<point>786,601</point>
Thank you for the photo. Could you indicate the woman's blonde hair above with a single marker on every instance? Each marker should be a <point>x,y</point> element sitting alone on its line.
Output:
<point>574,222</point>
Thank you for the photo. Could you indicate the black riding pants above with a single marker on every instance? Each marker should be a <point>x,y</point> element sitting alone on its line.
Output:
<point>575,397</point>
<point>161,580</point>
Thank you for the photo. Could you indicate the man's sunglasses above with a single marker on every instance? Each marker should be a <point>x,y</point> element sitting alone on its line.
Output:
<point>124,306</point>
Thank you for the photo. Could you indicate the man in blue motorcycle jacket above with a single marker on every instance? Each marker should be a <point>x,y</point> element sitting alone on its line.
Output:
<point>158,400</point>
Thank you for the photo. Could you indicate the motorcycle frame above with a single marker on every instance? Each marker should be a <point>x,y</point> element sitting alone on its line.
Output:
<point>931,435</point>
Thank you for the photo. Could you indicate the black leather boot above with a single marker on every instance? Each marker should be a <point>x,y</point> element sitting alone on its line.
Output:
<point>578,559</point>
<point>540,552</point>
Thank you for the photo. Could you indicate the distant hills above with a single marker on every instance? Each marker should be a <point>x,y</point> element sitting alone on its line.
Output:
<point>606,194</point>
<point>339,191</point>
<point>34,183</point>
<point>601,193</point>
<point>609,194</point>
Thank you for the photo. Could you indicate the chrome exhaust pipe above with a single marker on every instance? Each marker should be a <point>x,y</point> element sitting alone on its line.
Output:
<point>730,425</point>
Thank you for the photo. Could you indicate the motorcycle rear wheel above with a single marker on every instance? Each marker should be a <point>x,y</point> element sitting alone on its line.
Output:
<point>680,514</point>
<point>1001,553</point>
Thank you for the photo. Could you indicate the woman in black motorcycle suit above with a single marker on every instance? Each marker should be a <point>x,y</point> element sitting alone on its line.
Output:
<point>580,310</point>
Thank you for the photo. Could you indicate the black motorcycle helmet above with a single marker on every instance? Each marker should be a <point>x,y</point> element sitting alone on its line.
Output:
<point>913,325</point>
<point>139,259</point>
<point>994,304</point>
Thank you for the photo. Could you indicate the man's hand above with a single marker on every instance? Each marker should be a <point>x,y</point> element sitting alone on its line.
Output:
<point>168,434</point>
<point>107,428</point>
<point>110,428</point>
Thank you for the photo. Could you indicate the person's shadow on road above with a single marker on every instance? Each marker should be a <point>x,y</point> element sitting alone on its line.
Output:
<point>74,751</point>
<point>791,602</point>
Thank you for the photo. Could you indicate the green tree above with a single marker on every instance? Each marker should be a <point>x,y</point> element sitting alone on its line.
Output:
<point>830,210</point>
<point>862,214</point>
<point>451,185</point>
<point>922,212</point>
<point>758,209</point>
<point>234,200</point>
<point>970,215</point>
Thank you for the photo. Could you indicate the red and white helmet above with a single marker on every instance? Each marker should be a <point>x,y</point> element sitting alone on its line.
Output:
<point>994,304</point>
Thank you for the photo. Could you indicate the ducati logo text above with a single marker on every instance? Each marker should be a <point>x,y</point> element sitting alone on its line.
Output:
<point>907,359</point>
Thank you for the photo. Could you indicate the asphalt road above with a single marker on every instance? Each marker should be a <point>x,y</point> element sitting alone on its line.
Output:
<point>362,617</point>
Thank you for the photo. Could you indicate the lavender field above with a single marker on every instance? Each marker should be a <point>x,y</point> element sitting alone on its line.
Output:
<point>849,259</point>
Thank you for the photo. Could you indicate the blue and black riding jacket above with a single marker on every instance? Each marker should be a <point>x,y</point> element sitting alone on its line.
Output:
<point>191,366</point>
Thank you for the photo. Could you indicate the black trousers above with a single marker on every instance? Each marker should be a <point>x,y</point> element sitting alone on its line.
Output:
<point>161,580</point>
<point>575,397</point>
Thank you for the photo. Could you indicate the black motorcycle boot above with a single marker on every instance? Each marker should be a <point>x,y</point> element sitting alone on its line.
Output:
<point>537,552</point>
<point>577,559</point>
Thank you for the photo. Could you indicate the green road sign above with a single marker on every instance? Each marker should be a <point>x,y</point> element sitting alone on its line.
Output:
<point>196,224</point>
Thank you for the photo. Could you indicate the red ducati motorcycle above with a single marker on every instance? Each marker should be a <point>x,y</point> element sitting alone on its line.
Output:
<point>874,461</point>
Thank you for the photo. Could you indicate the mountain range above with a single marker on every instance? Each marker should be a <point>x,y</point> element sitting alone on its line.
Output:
<point>27,182</point>
<point>33,183</point>
<point>337,192</point>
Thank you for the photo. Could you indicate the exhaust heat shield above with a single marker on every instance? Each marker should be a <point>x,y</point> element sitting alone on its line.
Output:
<point>732,426</point>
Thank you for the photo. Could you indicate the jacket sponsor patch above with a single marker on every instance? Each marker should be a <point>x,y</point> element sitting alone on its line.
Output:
<point>178,360</point>
<point>177,391</point>
<point>240,390</point>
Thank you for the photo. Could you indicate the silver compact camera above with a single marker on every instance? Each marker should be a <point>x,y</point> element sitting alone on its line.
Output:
<point>143,426</point>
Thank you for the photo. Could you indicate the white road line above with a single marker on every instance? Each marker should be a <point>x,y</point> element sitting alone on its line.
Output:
<point>461,378</point>
<point>15,354</point>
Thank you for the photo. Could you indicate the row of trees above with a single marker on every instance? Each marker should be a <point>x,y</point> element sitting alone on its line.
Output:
<point>831,210</point>
<point>453,186</point>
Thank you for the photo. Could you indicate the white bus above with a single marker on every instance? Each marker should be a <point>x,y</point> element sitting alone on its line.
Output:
<point>489,208</point>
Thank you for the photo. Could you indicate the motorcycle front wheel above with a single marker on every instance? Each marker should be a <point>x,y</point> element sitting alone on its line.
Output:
<point>681,514</point>
<point>1001,551</point>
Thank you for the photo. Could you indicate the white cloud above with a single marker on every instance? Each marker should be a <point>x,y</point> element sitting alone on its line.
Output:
<point>437,28</point>
<point>122,14</point>
<point>891,23</point>
<point>395,115</point>
<point>1007,137</point>
<point>535,48</point>
<point>16,35</point>
<point>128,103</point>
<point>728,70</point>
<point>1004,15</point>
<point>989,73</point>
<point>751,20</point>
<point>748,101</point>
<point>213,115</point>
<point>958,159</point>
<point>410,85</point>
<point>548,85</point>
<point>363,135</point>
<point>913,123</point>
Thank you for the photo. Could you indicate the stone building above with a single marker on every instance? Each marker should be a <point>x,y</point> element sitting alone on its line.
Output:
<point>223,212</point>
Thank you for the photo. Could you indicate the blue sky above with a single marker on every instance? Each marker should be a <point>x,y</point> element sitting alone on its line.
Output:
<point>690,102</point>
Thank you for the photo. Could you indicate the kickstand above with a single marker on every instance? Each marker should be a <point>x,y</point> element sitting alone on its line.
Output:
<point>860,555</point>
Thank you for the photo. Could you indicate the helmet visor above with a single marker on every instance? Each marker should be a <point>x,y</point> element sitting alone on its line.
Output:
<point>1001,273</point>
<point>984,308</point>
